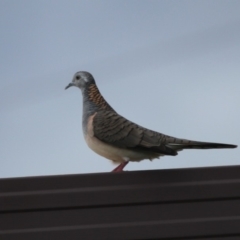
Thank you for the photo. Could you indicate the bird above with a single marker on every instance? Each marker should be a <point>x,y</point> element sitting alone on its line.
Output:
<point>120,140</point>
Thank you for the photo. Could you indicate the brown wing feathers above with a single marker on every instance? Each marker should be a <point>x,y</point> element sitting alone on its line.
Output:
<point>114,129</point>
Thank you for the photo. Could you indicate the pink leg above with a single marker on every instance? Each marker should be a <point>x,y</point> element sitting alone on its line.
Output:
<point>120,167</point>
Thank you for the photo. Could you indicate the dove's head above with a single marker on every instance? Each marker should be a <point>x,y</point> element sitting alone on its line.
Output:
<point>81,80</point>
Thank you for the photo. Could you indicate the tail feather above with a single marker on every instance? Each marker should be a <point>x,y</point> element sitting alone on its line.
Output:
<point>180,144</point>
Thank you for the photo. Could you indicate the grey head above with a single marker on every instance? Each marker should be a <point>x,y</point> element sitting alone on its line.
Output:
<point>92,98</point>
<point>81,80</point>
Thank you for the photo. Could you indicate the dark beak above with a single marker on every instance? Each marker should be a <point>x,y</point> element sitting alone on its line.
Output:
<point>69,85</point>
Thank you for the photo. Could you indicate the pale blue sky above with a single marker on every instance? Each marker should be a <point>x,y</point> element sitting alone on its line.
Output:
<point>171,66</point>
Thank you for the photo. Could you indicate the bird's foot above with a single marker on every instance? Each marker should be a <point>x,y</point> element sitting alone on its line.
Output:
<point>120,167</point>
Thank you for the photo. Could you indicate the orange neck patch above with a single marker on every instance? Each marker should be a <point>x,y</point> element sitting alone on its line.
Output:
<point>96,97</point>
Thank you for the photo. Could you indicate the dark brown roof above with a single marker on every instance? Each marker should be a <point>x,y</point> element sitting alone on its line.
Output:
<point>197,203</point>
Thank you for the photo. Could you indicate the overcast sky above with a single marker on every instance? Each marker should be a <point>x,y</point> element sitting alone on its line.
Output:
<point>171,66</point>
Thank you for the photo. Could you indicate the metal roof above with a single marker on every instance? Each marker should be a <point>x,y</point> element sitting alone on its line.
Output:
<point>193,203</point>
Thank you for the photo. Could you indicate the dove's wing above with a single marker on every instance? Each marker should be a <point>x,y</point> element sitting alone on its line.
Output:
<point>116,130</point>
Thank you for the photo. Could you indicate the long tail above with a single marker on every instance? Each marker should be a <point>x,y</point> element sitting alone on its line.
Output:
<point>180,144</point>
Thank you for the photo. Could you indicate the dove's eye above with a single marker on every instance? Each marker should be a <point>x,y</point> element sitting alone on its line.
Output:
<point>77,77</point>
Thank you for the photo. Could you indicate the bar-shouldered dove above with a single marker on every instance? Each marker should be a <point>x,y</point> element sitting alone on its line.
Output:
<point>120,140</point>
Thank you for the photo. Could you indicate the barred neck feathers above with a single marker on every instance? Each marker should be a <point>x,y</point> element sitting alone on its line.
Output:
<point>95,98</point>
